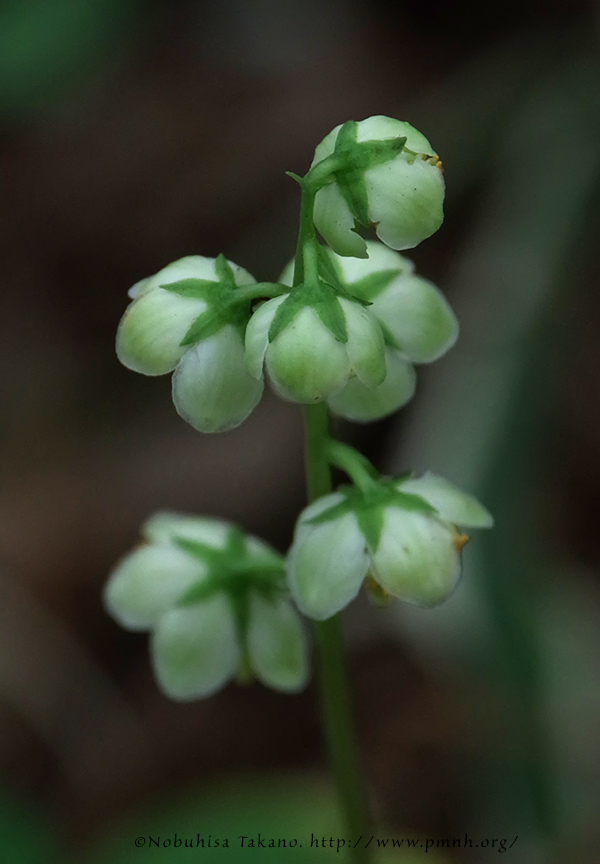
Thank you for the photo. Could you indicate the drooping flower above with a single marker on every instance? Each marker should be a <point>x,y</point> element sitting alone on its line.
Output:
<point>312,340</point>
<point>402,533</point>
<point>215,603</point>
<point>385,175</point>
<point>188,319</point>
<point>417,322</point>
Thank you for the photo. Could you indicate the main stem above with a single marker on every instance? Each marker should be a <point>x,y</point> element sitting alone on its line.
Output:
<point>333,679</point>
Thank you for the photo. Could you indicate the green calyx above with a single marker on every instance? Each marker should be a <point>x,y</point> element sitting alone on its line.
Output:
<point>370,287</point>
<point>232,570</point>
<point>347,166</point>
<point>319,296</point>
<point>227,303</point>
<point>369,505</point>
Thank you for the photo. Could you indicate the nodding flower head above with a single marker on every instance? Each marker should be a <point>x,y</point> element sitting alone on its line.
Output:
<point>312,341</point>
<point>215,603</point>
<point>416,321</point>
<point>401,534</point>
<point>385,175</point>
<point>188,319</point>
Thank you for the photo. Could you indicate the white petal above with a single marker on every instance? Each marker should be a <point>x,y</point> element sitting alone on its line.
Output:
<point>381,257</point>
<point>190,267</point>
<point>327,146</point>
<point>212,389</point>
<point>452,503</point>
<point>305,361</point>
<point>365,346</point>
<point>257,335</point>
<point>363,404</point>
<point>418,317</point>
<point>326,502</point>
<point>379,128</point>
<point>151,331</point>
<point>195,650</point>
<point>335,222</point>
<point>139,288</point>
<point>416,559</point>
<point>148,582</point>
<point>287,274</point>
<point>326,566</point>
<point>196,267</point>
<point>164,527</point>
<point>405,201</point>
<point>277,644</point>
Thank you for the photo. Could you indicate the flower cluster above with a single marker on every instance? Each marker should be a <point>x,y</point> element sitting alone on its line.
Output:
<point>348,333</point>
<point>215,601</point>
<point>403,533</point>
<point>345,324</point>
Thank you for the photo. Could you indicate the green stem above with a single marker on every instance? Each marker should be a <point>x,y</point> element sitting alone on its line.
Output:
<point>354,464</point>
<point>306,233</point>
<point>333,679</point>
<point>257,290</point>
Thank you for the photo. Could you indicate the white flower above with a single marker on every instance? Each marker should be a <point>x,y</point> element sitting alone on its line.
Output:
<point>184,318</point>
<point>312,341</point>
<point>400,193</point>
<point>417,322</point>
<point>403,533</point>
<point>214,602</point>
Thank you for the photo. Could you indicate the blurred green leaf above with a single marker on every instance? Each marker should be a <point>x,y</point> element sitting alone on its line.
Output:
<point>25,836</point>
<point>47,49</point>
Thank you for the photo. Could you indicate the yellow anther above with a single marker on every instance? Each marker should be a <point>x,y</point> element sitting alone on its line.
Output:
<point>460,540</point>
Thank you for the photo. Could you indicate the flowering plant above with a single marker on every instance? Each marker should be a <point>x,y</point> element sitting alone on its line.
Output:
<point>342,329</point>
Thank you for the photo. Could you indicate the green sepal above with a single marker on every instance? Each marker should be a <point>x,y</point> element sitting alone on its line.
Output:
<point>220,296</point>
<point>330,275</point>
<point>408,501</point>
<point>336,510</point>
<point>199,592</point>
<point>231,569</point>
<point>353,190</point>
<point>357,157</point>
<point>209,555</point>
<point>369,507</point>
<point>370,522</point>
<point>368,154</point>
<point>322,298</point>
<point>371,286</point>
<point>224,272</point>
<point>350,178</point>
<point>362,155</point>
<point>199,289</point>
<point>328,270</point>
<point>347,139</point>
<point>235,313</point>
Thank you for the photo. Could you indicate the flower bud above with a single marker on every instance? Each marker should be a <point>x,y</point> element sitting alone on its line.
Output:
<point>397,190</point>
<point>312,341</point>
<point>215,603</point>
<point>187,318</point>
<point>403,533</point>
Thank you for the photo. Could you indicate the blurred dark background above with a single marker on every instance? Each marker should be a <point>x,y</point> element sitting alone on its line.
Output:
<point>132,134</point>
